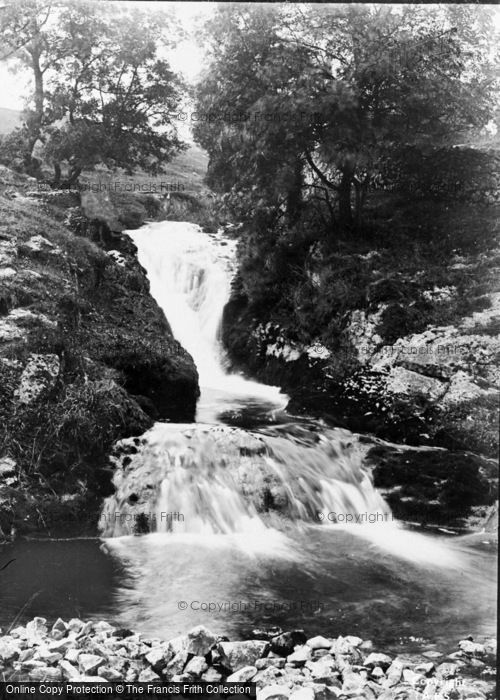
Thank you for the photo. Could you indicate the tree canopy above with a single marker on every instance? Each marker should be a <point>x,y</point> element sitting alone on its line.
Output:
<point>103,89</point>
<point>305,101</point>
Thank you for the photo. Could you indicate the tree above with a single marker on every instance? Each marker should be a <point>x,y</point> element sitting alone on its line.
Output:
<point>348,85</point>
<point>103,93</point>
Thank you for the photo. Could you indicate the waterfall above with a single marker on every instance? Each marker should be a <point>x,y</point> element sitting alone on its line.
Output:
<point>190,277</point>
<point>211,480</point>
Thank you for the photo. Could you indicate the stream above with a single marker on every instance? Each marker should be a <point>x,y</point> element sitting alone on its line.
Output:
<point>213,557</point>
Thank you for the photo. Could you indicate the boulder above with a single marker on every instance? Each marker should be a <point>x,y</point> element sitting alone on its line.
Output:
<point>237,655</point>
<point>38,378</point>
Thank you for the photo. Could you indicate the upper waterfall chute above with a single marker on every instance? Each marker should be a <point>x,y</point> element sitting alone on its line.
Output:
<point>190,277</point>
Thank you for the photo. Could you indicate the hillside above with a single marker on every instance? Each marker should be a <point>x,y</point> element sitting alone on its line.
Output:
<point>9,119</point>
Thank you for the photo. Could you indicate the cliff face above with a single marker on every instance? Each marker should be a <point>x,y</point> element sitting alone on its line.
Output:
<point>86,355</point>
<point>394,333</point>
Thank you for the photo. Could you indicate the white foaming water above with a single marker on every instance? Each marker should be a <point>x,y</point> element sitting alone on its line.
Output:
<point>190,279</point>
<point>205,472</point>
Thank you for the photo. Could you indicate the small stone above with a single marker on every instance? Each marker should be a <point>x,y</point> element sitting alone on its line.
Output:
<point>75,625</point>
<point>196,666</point>
<point>59,626</point>
<point>472,648</point>
<point>278,662</point>
<point>148,675</point>
<point>284,644</point>
<point>200,641</point>
<point>378,673</point>
<point>243,675</point>
<point>61,645</point>
<point>274,692</point>
<point>104,627</point>
<point>354,641</point>
<point>446,670</point>
<point>382,660</point>
<point>157,659</point>
<point>110,674</point>
<point>393,674</point>
<point>72,655</point>
<point>426,669</point>
<point>90,662</point>
<point>176,665</point>
<point>49,657</point>
<point>69,672</point>
<point>299,656</point>
<point>319,642</point>
<point>211,676</point>
<point>303,694</point>
<point>37,627</point>
<point>414,679</point>
<point>9,649</point>
<point>237,655</point>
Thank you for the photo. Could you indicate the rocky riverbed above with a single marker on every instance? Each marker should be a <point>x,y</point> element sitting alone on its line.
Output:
<point>282,664</point>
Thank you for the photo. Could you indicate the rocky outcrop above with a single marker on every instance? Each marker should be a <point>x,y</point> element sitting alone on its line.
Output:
<point>439,387</point>
<point>86,355</point>
<point>315,668</point>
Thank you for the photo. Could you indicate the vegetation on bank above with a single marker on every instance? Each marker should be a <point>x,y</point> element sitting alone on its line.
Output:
<point>86,358</point>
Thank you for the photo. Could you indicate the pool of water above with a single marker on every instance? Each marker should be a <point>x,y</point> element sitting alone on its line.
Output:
<point>325,580</point>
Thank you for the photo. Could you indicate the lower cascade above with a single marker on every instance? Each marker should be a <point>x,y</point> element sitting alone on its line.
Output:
<point>211,479</point>
<point>220,479</point>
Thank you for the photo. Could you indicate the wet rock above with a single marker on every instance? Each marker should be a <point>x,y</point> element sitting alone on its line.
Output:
<point>285,643</point>
<point>472,648</point>
<point>237,655</point>
<point>200,641</point>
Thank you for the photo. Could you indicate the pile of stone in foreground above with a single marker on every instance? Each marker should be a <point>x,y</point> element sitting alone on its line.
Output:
<point>282,664</point>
